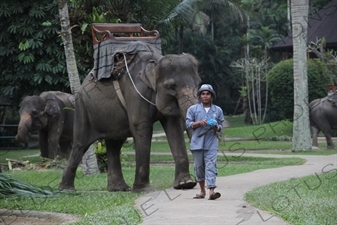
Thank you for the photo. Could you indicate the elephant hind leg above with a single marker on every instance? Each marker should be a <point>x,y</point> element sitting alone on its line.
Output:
<point>329,141</point>
<point>116,180</point>
<point>325,127</point>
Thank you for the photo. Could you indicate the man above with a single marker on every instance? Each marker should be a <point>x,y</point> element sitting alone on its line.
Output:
<point>205,119</point>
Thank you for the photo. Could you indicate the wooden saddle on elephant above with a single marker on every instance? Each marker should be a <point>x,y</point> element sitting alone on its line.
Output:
<point>121,32</point>
<point>116,45</point>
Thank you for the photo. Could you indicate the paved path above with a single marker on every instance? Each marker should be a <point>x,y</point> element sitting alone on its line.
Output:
<point>178,206</point>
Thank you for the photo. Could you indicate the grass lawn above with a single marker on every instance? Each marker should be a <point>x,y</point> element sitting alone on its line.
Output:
<point>308,200</point>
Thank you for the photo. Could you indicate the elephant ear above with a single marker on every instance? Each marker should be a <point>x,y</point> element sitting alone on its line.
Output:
<point>52,110</point>
<point>149,75</point>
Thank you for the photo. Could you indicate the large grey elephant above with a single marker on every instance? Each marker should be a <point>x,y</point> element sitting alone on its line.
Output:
<point>154,87</point>
<point>51,114</point>
<point>323,117</point>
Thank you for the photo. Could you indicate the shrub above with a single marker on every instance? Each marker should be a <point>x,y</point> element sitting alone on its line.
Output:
<point>281,84</point>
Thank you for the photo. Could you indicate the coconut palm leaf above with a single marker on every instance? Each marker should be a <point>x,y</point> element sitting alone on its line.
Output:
<point>12,187</point>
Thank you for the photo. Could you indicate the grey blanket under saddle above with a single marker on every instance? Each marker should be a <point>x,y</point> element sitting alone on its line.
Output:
<point>104,54</point>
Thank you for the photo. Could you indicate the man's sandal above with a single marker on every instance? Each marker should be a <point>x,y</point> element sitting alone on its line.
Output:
<point>214,196</point>
<point>197,196</point>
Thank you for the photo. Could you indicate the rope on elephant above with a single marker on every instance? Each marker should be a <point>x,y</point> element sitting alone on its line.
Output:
<point>127,69</point>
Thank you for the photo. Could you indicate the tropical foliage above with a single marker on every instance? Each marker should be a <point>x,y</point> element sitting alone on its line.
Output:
<point>215,32</point>
<point>30,50</point>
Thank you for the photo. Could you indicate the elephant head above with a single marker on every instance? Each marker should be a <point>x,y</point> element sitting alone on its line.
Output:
<point>175,80</point>
<point>35,113</point>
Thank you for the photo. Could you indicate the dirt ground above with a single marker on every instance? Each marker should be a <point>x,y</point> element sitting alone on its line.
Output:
<point>26,217</point>
<point>18,220</point>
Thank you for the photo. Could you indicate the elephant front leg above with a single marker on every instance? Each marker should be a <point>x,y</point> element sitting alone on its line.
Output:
<point>69,172</point>
<point>116,180</point>
<point>142,177</point>
<point>53,146</point>
<point>175,136</point>
<point>43,144</point>
<point>54,134</point>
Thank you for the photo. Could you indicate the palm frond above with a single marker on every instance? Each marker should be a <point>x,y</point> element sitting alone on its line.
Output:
<point>12,187</point>
<point>224,8</point>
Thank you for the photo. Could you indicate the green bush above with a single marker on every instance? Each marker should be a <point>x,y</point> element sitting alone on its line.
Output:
<point>281,84</point>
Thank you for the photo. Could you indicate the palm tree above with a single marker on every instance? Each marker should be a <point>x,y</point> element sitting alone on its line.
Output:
<point>89,160</point>
<point>265,37</point>
<point>301,125</point>
<point>199,14</point>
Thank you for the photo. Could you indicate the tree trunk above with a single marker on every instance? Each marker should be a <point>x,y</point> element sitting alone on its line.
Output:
<point>89,158</point>
<point>181,39</point>
<point>301,124</point>
<point>74,78</point>
<point>246,111</point>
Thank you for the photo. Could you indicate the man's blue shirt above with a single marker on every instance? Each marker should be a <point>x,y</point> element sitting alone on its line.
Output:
<point>209,140</point>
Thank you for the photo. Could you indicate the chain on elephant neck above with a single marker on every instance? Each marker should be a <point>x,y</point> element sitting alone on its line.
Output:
<point>127,69</point>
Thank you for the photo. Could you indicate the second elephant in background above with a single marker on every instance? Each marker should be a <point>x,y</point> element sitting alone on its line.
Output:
<point>51,114</point>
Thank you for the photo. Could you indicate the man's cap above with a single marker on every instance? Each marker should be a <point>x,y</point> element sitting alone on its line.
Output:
<point>206,87</point>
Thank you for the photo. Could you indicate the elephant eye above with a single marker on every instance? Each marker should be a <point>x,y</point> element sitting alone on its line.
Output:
<point>34,113</point>
<point>170,84</point>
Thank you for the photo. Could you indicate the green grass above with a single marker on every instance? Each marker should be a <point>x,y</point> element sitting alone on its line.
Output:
<point>20,154</point>
<point>308,200</point>
<point>236,120</point>
<point>281,128</point>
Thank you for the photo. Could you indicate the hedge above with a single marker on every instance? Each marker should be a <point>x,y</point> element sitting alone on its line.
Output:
<point>281,84</point>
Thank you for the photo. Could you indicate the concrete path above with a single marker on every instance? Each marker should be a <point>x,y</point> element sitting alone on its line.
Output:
<point>178,206</point>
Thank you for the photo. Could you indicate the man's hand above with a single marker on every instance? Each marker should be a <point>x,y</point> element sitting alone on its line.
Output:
<point>203,122</point>
<point>216,128</point>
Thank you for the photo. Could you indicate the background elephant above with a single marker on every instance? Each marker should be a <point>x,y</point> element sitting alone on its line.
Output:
<point>156,88</point>
<point>323,117</point>
<point>52,115</point>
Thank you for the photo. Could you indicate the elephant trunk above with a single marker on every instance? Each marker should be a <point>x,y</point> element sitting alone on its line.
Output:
<point>23,128</point>
<point>188,99</point>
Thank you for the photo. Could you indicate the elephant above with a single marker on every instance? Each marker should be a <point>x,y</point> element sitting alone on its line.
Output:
<point>151,88</point>
<point>323,117</point>
<point>51,114</point>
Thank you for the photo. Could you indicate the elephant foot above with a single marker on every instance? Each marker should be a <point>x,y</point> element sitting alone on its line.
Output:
<point>122,187</point>
<point>315,148</point>
<point>331,147</point>
<point>63,186</point>
<point>142,188</point>
<point>185,183</point>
